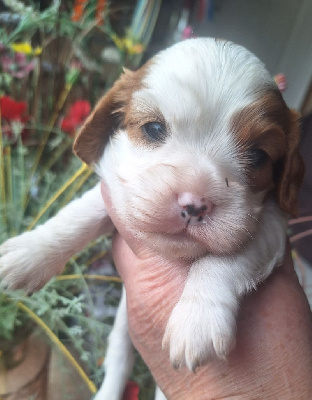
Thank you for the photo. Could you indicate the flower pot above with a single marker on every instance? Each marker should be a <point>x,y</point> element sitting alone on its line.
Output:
<point>24,370</point>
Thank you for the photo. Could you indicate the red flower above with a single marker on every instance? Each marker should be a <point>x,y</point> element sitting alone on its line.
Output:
<point>132,391</point>
<point>12,111</point>
<point>76,115</point>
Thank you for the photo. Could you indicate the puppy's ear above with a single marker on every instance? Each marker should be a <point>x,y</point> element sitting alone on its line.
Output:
<point>106,117</point>
<point>292,168</point>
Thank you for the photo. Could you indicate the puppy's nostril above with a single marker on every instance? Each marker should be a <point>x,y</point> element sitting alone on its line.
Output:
<point>194,208</point>
<point>190,209</point>
<point>195,211</point>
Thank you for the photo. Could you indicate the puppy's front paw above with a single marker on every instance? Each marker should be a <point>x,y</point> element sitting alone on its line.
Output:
<point>198,332</point>
<point>27,262</point>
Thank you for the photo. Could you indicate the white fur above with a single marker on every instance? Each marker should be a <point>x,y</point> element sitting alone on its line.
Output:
<point>197,86</point>
<point>118,358</point>
<point>220,283</point>
<point>30,260</point>
<point>159,394</point>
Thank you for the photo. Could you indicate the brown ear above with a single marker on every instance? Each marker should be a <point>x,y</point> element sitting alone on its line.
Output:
<point>104,120</point>
<point>292,168</point>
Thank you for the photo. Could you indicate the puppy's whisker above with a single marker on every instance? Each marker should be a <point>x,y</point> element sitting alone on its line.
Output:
<point>223,226</point>
<point>253,217</point>
<point>248,232</point>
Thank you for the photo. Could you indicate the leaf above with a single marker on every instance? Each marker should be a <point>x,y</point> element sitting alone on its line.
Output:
<point>8,314</point>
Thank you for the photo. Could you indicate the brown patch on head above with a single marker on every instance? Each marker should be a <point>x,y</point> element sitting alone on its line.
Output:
<point>109,114</point>
<point>267,134</point>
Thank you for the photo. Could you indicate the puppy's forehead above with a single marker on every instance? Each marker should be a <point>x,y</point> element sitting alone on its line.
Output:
<point>202,76</point>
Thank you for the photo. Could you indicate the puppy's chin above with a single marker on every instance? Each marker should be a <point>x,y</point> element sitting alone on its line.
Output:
<point>192,243</point>
<point>173,238</point>
<point>173,246</point>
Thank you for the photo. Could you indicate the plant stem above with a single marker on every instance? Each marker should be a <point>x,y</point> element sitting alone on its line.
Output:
<point>20,193</point>
<point>52,199</point>
<point>59,105</point>
<point>55,157</point>
<point>90,277</point>
<point>59,344</point>
<point>96,257</point>
<point>9,199</point>
<point>2,176</point>
<point>76,187</point>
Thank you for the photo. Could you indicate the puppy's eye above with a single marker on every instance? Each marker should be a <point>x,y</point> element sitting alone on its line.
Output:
<point>155,131</point>
<point>257,157</point>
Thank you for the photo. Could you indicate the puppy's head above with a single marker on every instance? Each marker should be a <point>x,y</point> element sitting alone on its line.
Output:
<point>191,145</point>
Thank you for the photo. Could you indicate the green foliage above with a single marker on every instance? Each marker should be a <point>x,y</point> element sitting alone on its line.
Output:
<point>66,307</point>
<point>10,318</point>
<point>38,174</point>
<point>33,20</point>
<point>35,163</point>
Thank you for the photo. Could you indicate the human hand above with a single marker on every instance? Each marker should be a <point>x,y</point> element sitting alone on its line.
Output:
<point>273,353</point>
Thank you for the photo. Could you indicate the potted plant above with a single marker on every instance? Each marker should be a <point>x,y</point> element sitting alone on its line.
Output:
<point>51,70</point>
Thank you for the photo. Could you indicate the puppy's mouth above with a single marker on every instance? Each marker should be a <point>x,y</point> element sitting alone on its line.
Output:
<point>179,215</point>
<point>181,223</point>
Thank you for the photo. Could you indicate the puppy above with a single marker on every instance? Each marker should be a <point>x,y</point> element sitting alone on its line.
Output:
<point>198,153</point>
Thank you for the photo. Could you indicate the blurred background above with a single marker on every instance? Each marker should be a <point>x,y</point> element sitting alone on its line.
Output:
<point>57,58</point>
